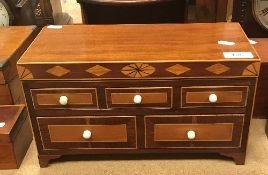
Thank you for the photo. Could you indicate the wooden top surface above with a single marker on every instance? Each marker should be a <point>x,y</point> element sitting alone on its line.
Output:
<point>262,48</point>
<point>9,115</point>
<point>136,42</point>
<point>11,39</point>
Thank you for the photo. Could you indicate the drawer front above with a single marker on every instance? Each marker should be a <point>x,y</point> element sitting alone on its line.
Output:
<point>193,131</point>
<point>65,98</point>
<point>139,97</point>
<point>88,132</point>
<point>206,96</point>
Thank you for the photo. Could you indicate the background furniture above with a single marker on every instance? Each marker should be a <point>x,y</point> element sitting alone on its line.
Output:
<point>31,12</point>
<point>43,12</point>
<point>15,135</point>
<point>243,13</point>
<point>160,11</point>
<point>14,41</point>
<point>140,89</point>
<point>138,11</point>
<point>261,102</point>
<point>211,10</point>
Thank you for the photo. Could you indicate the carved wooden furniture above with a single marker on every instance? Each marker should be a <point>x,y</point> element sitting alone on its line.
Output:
<point>15,135</point>
<point>132,11</point>
<point>140,89</point>
<point>14,41</point>
<point>261,103</point>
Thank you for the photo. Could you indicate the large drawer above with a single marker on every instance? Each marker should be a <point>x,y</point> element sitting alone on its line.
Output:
<point>193,131</point>
<point>214,96</point>
<point>152,97</point>
<point>88,132</point>
<point>64,98</point>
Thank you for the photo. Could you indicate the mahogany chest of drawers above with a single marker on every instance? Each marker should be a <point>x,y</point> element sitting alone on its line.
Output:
<point>15,135</point>
<point>159,88</point>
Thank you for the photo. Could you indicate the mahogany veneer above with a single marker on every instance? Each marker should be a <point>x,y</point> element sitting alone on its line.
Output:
<point>148,89</point>
<point>14,41</point>
<point>261,104</point>
<point>15,136</point>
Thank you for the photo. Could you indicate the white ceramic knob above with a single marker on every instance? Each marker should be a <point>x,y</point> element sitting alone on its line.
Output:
<point>137,99</point>
<point>213,98</point>
<point>191,135</point>
<point>63,100</point>
<point>86,134</point>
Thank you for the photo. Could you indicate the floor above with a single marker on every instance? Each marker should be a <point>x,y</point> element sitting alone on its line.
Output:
<point>256,162</point>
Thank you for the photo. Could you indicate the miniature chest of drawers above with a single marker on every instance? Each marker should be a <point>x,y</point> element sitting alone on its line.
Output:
<point>15,135</point>
<point>14,40</point>
<point>165,88</point>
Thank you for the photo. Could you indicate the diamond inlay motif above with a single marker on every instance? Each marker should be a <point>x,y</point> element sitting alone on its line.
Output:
<point>58,71</point>
<point>138,70</point>
<point>178,69</point>
<point>218,68</point>
<point>98,70</point>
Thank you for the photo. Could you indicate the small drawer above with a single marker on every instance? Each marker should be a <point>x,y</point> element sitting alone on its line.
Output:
<point>193,131</point>
<point>88,132</point>
<point>139,97</point>
<point>205,96</point>
<point>65,98</point>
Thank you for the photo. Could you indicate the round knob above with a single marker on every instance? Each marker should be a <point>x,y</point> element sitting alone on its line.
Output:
<point>86,134</point>
<point>137,99</point>
<point>213,98</point>
<point>63,100</point>
<point>191,135</point>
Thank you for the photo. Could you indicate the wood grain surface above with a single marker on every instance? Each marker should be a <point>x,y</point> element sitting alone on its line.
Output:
<point>12,38</point>
<point>77,97</point>
<point>210,131</point>
<point>100,133</point>
<point>151,97</point>
<point>125,43</point>
<point>204,132</point>
<point>15,135</point>
<point>107,132</point>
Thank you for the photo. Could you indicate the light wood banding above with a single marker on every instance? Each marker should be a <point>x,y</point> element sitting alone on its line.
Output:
<point>223,96</point>
<point>106,132</point>
<point>166,131</point>
<point>204,132</point>
<point>73,98</point>
<point>226,96</point>
<point>100,133</point>
<point>77,97</point>
<point>127,98</point>
<point>151,97</point>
